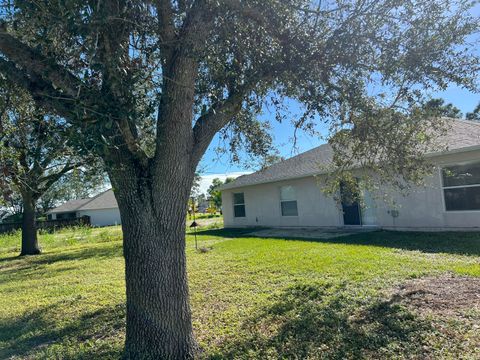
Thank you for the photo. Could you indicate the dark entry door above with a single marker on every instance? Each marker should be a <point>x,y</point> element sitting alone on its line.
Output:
<point>350,205</point>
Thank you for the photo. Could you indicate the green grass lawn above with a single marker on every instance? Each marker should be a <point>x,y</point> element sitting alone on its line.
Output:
<point>251,298</point>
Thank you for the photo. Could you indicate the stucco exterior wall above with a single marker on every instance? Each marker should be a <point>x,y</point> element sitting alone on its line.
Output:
<point>262,206</point>
<point>102,217</point>
<point>422,209</point>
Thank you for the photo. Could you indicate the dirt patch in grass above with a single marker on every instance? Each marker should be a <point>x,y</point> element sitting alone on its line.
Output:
<point>446,295</point>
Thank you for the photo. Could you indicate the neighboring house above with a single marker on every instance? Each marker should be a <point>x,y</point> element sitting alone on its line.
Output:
<point>102,209</point>
<point>4,213</point>
<point>202,205</point>
<point>288,193</point>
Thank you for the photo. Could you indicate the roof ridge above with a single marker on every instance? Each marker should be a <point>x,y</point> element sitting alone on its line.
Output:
<point>448,118</point>
<point>472,122</point>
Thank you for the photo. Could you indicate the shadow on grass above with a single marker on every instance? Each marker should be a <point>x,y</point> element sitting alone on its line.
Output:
<point>304,321</point>
<point>10,258</point>
<point>461,243</point>
<point>31,335</point>
<point>310,321</point>
<point>20,265</point>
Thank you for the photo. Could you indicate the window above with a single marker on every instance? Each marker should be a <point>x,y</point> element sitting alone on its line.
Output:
<point>461,187</point>
<point>288,201</point>
<point>239,205</point>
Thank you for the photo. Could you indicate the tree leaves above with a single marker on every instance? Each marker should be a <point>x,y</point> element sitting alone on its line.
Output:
<point>342,60</point>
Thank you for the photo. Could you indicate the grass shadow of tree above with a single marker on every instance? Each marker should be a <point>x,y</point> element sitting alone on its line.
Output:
<point>18,267</point>
<point>460,243</point>
<point>35,334</point>
<point>316,322</point>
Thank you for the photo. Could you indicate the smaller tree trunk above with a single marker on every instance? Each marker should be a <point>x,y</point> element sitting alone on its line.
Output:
<point>29,227</point>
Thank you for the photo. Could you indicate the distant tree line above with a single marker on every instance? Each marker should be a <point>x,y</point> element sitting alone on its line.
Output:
<point>438,107</point>
<point>215,193</point>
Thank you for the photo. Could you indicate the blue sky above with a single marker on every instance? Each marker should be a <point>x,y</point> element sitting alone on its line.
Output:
<point>213,165</point>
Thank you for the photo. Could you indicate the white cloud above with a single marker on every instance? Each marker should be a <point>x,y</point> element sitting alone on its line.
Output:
<point>206,180</point>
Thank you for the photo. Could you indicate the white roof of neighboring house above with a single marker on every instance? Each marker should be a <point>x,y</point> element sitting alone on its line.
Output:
<point>462,134</point>
<point>104,200</point>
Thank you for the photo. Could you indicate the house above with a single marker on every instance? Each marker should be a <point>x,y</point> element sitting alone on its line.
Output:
<point>288,194</point>
<point>102,209</point>
<point>203,205</point>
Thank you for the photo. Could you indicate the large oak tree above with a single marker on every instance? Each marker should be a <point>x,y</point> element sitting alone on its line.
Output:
<point>148,84</point>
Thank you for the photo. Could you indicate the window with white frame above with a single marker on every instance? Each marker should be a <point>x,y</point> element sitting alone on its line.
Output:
<point>239,205</point>
<point>288,201</point>
<point>461,187</point>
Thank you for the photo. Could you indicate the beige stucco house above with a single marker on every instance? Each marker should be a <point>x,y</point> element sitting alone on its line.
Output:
<point>288,194</point>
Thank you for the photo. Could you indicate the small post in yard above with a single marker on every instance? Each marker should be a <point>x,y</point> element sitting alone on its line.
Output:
<point>194,223</point>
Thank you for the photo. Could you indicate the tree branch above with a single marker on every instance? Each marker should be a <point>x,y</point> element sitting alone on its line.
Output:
<point>131,142</point>
<point>196,27</point>
<point>50,179</point>
<point>35,69</point>
<point>111,52</point>
<point>42,92</point>
<point>24,56</point>
<point>220,113</point>
<point>166,31</point>
<point>213,121</point>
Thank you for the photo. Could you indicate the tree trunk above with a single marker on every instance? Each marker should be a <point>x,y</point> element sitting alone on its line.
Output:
<point>152,197</point>
<point>29,227</point>
<point>158,311</point>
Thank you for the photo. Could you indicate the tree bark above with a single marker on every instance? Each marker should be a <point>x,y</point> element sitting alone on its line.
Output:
<point>152,196</point>
<point>29,227</point>
<point>153,222</point>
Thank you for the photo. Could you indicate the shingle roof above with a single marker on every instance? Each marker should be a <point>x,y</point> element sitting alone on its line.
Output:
<point>461,134</point>
<point>104,200</point>
<point>69,206</point>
